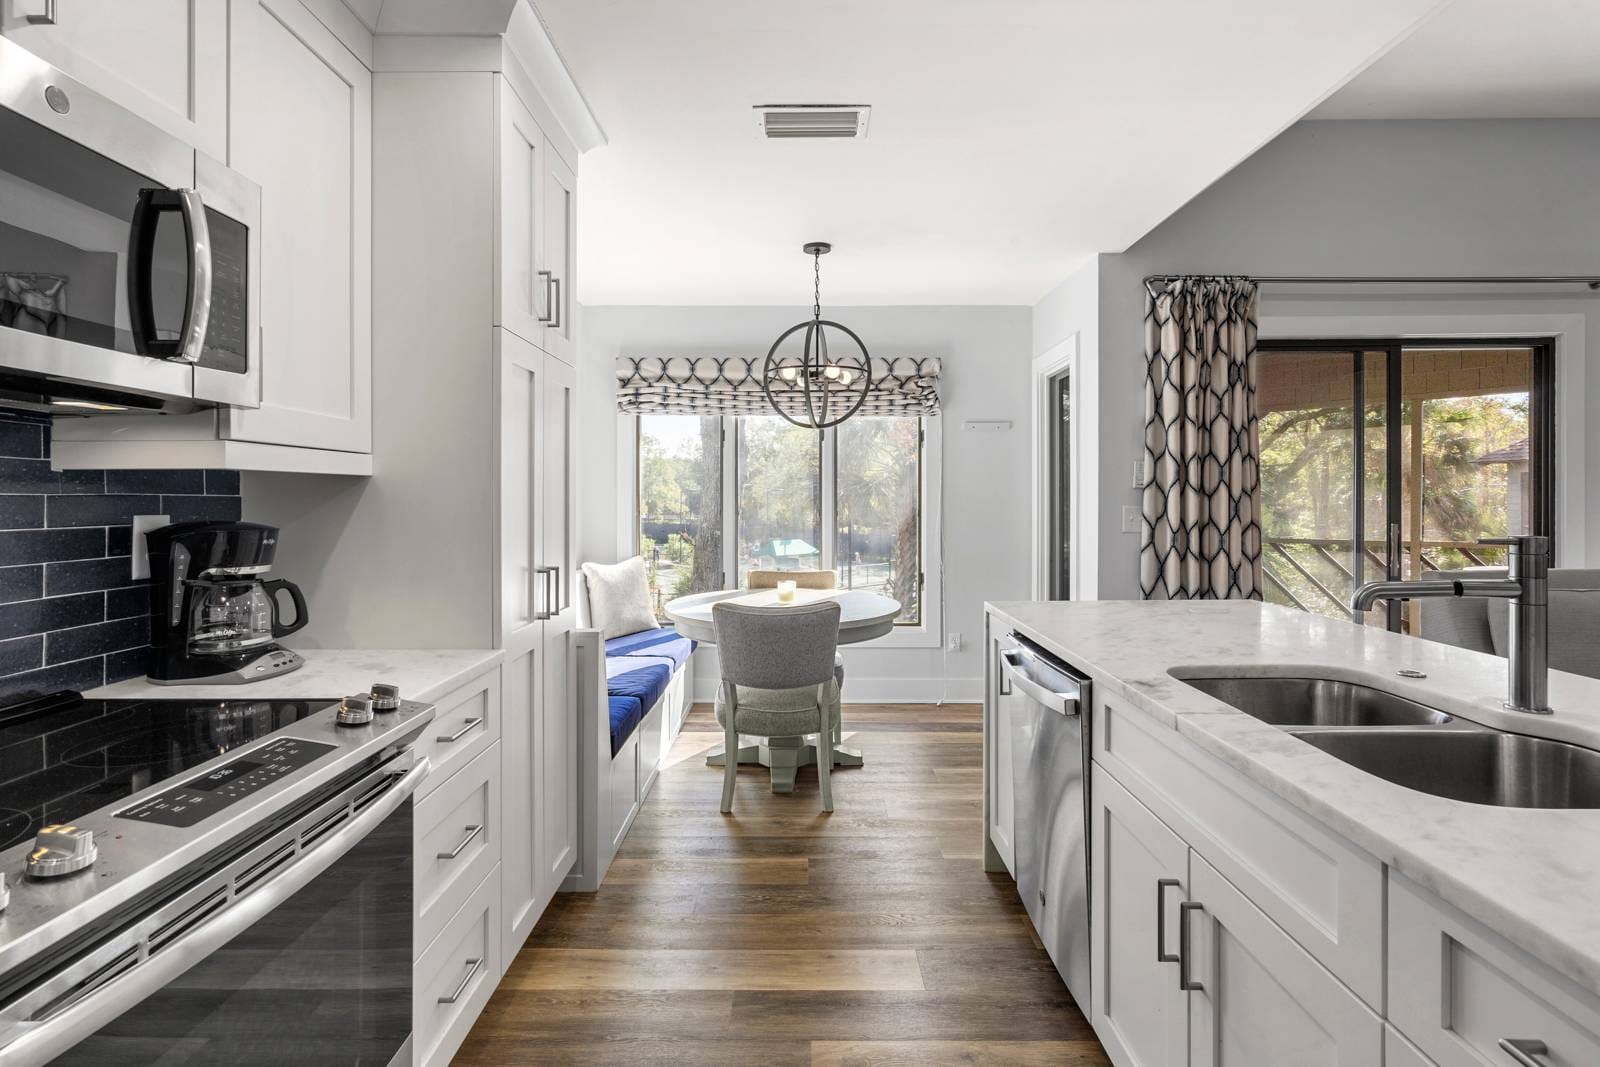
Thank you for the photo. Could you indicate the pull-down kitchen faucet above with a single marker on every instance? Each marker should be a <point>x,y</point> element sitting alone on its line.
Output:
<point>1526,586</point>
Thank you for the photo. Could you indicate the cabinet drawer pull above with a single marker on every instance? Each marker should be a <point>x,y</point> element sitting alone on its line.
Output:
<point>1162,885</point>
<point>1526,1051</point>
<point>473,966</point>
<point>466,728</point>
<point>1184,982</point>
<point>472,831</point>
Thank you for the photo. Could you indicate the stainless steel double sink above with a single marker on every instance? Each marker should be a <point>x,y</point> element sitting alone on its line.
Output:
<point>1415,746</point>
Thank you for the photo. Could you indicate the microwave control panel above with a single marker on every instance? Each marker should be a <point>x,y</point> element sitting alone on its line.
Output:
<point>206,794</point>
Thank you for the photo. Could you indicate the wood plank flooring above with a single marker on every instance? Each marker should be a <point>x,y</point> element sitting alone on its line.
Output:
<point>782,936</point>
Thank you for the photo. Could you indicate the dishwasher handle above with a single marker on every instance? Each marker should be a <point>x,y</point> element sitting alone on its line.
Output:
<point>1065,702</point>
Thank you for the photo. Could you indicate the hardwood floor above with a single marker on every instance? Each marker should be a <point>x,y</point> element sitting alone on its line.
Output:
<point>780,935</point>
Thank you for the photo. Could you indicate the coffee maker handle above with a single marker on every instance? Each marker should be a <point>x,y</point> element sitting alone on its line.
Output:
<point>271,587</point>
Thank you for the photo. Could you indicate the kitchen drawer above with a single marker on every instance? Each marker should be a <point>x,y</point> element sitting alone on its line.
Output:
<point>1456,988</point>
<point>457,841</point>
<point>1325,893</point>
<point>1399,1052</point>
<point>456,974</point>
<point>467,723</point>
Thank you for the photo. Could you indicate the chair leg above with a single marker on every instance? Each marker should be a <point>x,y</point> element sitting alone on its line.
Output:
<point>730,763</point>
<point>825,757</point>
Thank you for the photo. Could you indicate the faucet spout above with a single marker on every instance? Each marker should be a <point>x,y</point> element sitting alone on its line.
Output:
<point>1526,586</point>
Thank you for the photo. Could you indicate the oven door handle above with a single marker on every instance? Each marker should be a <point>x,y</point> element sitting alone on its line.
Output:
<point>42,1041</point>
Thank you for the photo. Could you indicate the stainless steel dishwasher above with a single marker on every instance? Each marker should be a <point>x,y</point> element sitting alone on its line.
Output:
<point>1048,704</point>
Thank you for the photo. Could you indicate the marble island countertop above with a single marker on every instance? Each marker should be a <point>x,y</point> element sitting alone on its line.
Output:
<point>1530,874</point>
<point>421,674</point>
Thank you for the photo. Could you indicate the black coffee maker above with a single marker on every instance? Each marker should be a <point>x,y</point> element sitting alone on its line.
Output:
<point>214,617</point>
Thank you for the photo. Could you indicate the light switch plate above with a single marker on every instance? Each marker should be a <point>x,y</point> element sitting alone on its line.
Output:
<point>142,524</point>
<point>1131,519</point>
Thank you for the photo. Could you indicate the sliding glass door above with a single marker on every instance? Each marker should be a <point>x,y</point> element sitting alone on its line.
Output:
<point>1395,459</point>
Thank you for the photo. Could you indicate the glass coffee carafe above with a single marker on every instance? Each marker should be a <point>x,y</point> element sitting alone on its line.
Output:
<point>234,615</point>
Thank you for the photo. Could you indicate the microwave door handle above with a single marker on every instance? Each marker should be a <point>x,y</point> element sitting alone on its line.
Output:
<point>141,256</point>
<point>197,314</point>
<point>42,1041</point>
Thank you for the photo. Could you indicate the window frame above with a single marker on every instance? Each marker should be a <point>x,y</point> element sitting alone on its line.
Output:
<point>926,633</point>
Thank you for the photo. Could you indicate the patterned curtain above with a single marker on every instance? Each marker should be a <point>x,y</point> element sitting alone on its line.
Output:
<point>711,385</point>
<point>1202,506</point>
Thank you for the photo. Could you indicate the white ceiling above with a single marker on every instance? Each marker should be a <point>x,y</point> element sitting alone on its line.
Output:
<point>1010,139</point>
<point>1485,59</point>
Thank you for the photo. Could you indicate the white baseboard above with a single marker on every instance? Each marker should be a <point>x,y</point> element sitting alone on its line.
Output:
<point>880,690</point>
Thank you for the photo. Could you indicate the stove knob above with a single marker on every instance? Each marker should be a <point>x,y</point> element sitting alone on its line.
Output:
<point>355,710</point>
<point>385,697</point>
<point>61,850</point>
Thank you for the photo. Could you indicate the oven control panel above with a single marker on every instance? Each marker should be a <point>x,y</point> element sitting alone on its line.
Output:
<point>205,795</point>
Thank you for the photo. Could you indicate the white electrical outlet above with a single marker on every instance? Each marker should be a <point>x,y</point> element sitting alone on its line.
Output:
<point>143,524</point>
<point>953,643</point>
<point>1132,520</point>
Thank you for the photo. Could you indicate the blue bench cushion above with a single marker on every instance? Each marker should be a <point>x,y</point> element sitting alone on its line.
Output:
<point>656,644</point>
<point>639,678</point>
<point>625,715</point>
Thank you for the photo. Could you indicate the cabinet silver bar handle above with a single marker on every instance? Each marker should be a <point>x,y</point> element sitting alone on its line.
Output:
<point>473,966</point>
<point>472,831</point>
<point>466,728</point>
<point>1184,982</point>
<point>1526,1051</point>
<point>555,305</point>
<point>1162,885</point>
<point>548,303</point>
<point>46,19</point>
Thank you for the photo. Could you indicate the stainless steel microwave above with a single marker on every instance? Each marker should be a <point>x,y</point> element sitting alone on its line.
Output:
<point>129,262</point>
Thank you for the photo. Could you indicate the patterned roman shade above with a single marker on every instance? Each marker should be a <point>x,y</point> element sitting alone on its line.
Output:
<point>731,385</point>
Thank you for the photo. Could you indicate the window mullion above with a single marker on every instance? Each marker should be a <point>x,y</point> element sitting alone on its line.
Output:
<point>829,519</point>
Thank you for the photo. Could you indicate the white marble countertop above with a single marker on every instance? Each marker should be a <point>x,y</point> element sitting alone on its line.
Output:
<point>421,674</point>
<point>1532,875</point>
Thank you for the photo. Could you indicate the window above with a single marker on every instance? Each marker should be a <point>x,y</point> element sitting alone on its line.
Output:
<point>854,499</point>
<point>1454,443</point>
<point>780,496</point>
<point>680,505</point>
<point>879,493</point>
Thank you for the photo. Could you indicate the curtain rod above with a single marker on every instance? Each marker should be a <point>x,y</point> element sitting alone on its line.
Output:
<point>1592,281</point>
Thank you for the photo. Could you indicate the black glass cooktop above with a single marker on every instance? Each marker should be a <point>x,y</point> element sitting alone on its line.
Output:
<point>62,757</point>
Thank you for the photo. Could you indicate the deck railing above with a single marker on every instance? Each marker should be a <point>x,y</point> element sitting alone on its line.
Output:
<point>1328,592</point>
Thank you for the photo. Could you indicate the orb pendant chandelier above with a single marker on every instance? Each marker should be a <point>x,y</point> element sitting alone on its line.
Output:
<point>814,384</point>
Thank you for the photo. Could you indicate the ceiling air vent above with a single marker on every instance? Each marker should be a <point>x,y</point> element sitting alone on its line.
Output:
<point>813,120</point>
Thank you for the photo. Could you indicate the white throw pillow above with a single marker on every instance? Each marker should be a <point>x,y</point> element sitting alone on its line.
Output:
<point>619,598</point>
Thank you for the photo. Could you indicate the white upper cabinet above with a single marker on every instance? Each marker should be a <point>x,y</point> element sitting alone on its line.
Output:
<point>523,586</point>
<point>302,128</point>
<point>560,253</point>
<point>522,297</point>
<point>166,60</point>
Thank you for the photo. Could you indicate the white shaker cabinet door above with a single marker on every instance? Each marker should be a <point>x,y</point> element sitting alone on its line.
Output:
<point>558,843</point>
<point>164,60</point>
<point>519,798</point>
<point>301,128</point>
<point>1140,870</point>
<point>523,290</point>
<point>560,253</point>
<point>523,587</point>
<point>1256,997</point>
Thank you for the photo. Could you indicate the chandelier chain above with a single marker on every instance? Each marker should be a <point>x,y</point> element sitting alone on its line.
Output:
<point>816,303</point>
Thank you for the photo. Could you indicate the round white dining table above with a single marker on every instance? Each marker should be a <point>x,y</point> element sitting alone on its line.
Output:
<point>862,617</point>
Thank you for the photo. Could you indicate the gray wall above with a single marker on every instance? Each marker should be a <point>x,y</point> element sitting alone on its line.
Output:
<point>1470,197</point>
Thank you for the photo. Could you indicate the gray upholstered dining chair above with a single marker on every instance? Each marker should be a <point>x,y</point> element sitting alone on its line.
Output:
<point>777,681</point>
<point>819,579</point>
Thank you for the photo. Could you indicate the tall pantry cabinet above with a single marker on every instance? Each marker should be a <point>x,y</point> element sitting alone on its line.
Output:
<point>475,398</point>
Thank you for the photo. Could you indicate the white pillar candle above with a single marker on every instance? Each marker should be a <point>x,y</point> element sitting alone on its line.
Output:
<point>786,590</point>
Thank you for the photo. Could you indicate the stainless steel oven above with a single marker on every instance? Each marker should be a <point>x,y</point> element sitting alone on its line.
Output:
<point>252,909</point>
<point>129,262</point>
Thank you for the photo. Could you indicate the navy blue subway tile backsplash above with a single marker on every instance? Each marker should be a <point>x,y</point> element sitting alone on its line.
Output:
<point>71,615</point>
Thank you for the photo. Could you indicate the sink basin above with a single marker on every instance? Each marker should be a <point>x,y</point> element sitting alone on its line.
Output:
<point>1474,764</point>
<point>1317,702</point>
